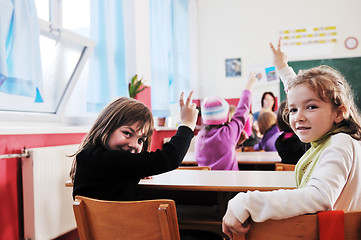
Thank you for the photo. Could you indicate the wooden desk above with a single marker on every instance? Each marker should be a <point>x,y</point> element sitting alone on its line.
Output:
<point>221,181</point>
<point>198,187</point>
<point>258,157</point>
<point>202,196</point>
<point>242,158</point>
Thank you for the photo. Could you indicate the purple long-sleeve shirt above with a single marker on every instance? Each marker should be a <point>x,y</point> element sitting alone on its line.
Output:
<point>268,140</point>
<point>216,147</point>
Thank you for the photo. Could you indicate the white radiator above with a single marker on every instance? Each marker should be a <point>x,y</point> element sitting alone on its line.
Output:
<point>48,204</point>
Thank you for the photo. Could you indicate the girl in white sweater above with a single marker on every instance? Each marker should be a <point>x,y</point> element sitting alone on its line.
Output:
<point>328,176</point>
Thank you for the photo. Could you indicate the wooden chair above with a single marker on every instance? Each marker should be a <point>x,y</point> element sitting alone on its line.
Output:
<point>250,149</point>
<point>300,227</point>
<point>284,167</point>
<point>194,168</point>
<point>150,219</point>
<point>247,149</point>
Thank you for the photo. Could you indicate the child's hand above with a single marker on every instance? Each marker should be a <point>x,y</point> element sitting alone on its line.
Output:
<point>188,111</point>
<point>280,59</point>
<point>231,224</point>
<point>251,80</point>
<point>242,138</point>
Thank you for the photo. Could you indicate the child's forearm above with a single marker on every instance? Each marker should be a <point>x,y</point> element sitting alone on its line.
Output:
<point>286,74</point>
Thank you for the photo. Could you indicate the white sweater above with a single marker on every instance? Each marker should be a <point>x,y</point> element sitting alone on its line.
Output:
<point>335,184</point>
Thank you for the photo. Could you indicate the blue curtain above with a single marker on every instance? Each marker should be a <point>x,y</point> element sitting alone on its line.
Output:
<point>169,53</point>
<point>20,64</point>
<point>107,65</point>
<point>181,49</point>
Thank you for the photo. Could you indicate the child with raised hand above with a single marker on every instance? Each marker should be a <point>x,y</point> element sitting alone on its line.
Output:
<point>114,155</point>
<point>322,112</point>
<point>215,144</point>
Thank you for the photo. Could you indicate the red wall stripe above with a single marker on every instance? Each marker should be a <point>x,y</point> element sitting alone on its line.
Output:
<point>11,220</point>
<point>10,144</point>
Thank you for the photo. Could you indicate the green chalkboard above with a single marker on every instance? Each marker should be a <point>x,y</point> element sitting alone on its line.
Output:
<point>349,67</point>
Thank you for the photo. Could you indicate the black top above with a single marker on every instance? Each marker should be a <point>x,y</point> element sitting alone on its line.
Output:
<point>114,174</point>
<point>252,140</point>
<point>291,149</point>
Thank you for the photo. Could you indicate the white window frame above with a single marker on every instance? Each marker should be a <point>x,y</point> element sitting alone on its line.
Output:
<point>59,34</point>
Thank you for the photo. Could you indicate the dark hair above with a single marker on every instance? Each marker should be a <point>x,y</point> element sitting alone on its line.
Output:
<point>282,119</point>
<point>332,87</point>
<point>120,112</point>
<point>274,99</point>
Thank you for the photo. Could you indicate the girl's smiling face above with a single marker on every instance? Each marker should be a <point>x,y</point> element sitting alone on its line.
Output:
<point>310,117</point>
<point>127,138</point>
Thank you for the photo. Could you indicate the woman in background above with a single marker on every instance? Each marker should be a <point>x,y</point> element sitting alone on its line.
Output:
<point>268,103</point>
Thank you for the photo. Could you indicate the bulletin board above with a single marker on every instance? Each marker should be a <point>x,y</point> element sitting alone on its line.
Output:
<point>349,67</point>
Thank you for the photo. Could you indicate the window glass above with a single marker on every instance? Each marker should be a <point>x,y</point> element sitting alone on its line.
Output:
<point>76,16</point>
<point>59,61</point>
<point>42,9</point>
<point>63,58</point>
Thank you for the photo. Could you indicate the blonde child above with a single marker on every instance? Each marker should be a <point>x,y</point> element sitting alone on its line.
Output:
<point>321,111</point>
<point>114,156</point>
<point>215,144</point>
<point>267,125</point>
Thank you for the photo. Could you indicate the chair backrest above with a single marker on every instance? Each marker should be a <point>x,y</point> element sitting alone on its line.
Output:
<point>194,168</point>
<point>300,227</point>
<point>284,167</point>
<point>248,149</point>
<point>149,219</point>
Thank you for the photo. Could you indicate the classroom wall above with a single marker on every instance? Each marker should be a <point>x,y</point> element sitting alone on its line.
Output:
<point>219,30</point>
<point>234,28</point>
<point>11,207</point>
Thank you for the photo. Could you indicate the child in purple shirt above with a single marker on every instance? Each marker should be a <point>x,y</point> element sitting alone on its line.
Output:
<point>215,143</point>
<point>268,127</point>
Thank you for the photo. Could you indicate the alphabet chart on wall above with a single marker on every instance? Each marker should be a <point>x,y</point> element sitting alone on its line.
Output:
<point>308,40</point>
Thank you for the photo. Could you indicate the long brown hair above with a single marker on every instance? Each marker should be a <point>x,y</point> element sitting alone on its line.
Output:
<point>266,120</point>
<point>332,87</point>
<point>120,112</point>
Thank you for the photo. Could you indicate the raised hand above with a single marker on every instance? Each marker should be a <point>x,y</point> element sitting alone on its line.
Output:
<point>251,80</point>
<point>242,138</point>
<point>188,111</point>
<point>280,59</point>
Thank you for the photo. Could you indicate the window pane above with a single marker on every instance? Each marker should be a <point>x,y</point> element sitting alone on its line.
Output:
<point>62,60</point>
<point>58,63</point>
<point>76,16</point>
<point>42,9</point>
